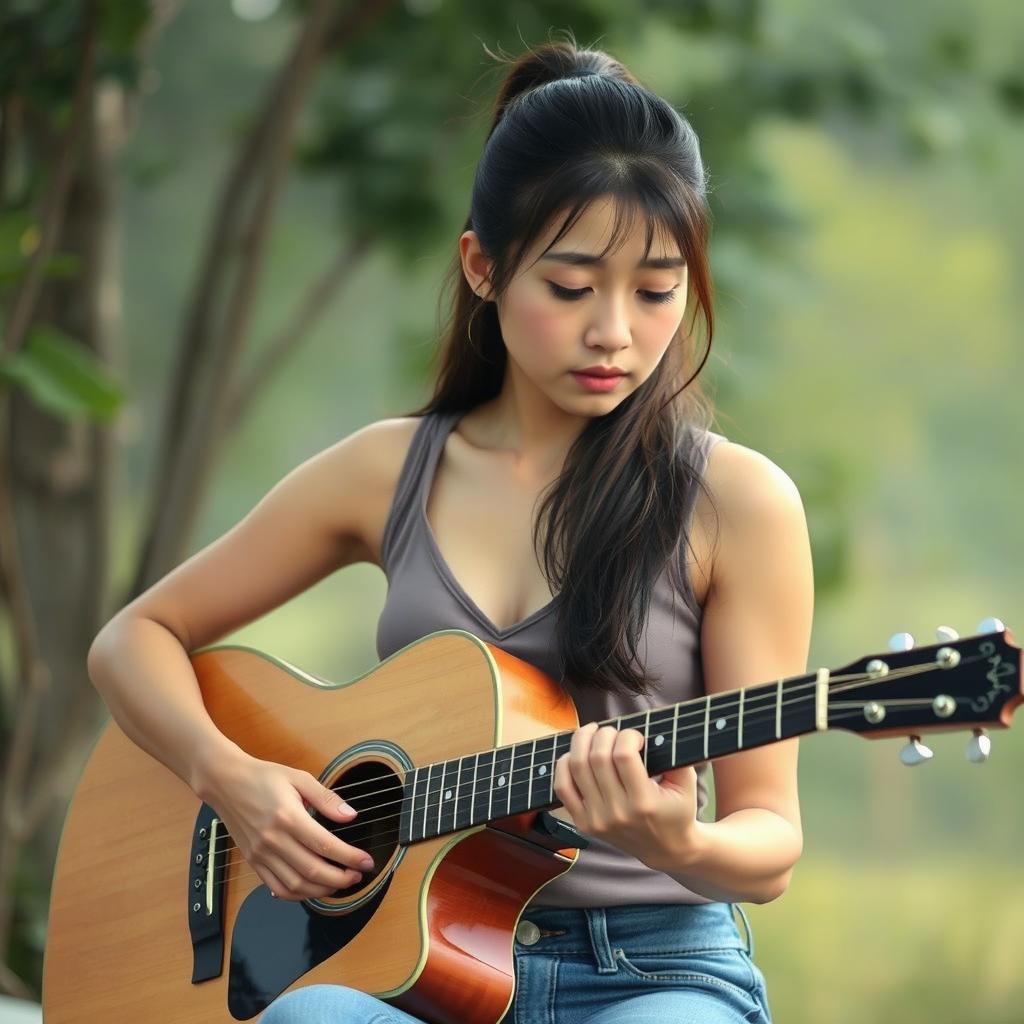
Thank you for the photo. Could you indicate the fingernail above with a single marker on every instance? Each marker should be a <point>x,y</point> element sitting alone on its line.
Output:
<point>366,864</point>
<point>347,807</point>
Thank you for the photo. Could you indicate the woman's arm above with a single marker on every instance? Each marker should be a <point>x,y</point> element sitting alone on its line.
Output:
<point>756,627</point>
<point>325,514</point>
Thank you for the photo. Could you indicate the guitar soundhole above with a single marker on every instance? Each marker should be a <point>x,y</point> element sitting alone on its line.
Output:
<point>375,791</point>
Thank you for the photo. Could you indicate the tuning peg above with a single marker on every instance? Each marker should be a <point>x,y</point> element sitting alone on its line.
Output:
<point>901,642</point>
<point>915,752</point>
<point>946,634</point>
<point>991,625</point>
<point>979,747</point>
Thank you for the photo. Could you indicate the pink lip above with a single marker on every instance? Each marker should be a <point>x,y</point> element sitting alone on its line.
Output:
<point>601,371</point>
<point>596,382</point>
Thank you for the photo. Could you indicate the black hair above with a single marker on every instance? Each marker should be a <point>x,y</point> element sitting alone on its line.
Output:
<point>571,126</point>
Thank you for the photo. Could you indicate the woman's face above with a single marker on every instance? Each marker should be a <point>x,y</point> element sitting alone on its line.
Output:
<point>562,315</point>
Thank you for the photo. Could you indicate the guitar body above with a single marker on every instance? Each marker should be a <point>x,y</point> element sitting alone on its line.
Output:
<point>133,915</point>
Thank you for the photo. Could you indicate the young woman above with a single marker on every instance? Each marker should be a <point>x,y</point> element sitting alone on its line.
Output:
<point>560,496</point>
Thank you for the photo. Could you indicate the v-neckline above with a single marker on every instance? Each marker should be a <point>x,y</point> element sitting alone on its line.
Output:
<point>429,473</point>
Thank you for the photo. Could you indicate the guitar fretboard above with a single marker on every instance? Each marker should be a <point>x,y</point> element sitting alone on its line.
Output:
<point>447,796</point>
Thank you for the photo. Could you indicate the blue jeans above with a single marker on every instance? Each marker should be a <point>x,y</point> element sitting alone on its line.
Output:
<point>645,963</point>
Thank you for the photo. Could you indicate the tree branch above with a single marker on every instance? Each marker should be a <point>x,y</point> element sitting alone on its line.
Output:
<point>304,317</point>
<point>200,361</point>
<point>27,292</point>
<point>13,985</point>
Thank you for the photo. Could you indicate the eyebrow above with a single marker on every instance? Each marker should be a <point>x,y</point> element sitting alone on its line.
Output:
<point>585,259</point>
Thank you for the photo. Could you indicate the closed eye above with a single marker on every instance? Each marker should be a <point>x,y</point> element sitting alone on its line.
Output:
<point>571,294</point>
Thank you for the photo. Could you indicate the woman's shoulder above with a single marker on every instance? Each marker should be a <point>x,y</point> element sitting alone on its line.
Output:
<point>371,459</point>
<point>745,479</point>
<point>384,441</point>
<point>756,506</point>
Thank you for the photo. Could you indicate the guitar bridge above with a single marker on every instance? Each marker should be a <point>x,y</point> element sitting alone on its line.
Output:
<point>206,895</point>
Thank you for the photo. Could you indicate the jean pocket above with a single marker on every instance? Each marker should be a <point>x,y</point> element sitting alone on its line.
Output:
<point>728,969</point>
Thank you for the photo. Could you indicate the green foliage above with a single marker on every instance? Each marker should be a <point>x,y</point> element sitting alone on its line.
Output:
<point>41,46</point>
<point>39,51</point>
<point>28,933</point>
<point>917,940</point>
<point>62,376</point>
<point>19,235</point>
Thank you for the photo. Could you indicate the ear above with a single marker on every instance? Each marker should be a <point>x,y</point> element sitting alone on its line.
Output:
<point>476,265</point>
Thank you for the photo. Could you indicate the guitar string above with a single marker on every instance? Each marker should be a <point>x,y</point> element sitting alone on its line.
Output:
<point>365,822</point>
<point>391,845</point>
<point>838,684</point>
<point>851,681</point>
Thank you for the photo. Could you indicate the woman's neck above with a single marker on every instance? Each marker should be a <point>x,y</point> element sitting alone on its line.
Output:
<point>527,426</point>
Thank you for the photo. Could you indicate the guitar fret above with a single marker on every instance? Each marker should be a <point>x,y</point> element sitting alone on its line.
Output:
<point>657,750</point>
<point>675,732</point>
<point>442,798</point>
<point>739,731</point>
<point>520,781</point>
<point>462,819</point>
<point>484,786</point>
<point>544,771</point>
<point>707,723</point>
<point>778,710</point>
<point>472,792</point>
<point>501,783</point>
<point>411,780</point>
<point>562,744</point>
<point>510,779</point>
<point>718,740</point>
<point>529,788</point>
<point>455,801</point>
<point>426,799</point>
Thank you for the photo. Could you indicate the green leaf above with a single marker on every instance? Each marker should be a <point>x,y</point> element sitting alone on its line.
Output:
<point>122,22</point>
<point>62,265</point>
<point>62,376</point>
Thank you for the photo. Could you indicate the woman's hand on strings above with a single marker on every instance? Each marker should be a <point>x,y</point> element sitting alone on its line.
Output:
<point>264,805</point>
<point>603,784</point>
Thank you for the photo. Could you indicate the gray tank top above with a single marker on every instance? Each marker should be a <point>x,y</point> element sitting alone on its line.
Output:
<point>423,597</point>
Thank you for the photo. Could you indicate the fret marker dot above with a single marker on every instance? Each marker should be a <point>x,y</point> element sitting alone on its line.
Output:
<point>448,794</point>
<point>542,770</point>
<point>501,780</point>
<point>720,724</point>
<point>658,740</point>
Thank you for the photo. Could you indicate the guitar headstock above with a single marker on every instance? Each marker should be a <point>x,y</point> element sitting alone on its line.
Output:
<point>973,682</point>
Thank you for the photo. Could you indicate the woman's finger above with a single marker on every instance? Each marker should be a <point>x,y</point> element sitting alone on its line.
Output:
<point>274,884</point>
<point>602,765</point>
<point>580,765</point>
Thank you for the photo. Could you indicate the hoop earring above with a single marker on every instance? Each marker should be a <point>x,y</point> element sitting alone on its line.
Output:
<point>469,329</point>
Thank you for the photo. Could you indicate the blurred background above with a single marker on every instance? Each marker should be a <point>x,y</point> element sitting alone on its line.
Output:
<point>223,227</point>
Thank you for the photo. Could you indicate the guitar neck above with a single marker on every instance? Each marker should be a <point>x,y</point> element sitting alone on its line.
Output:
<point>447,796</point>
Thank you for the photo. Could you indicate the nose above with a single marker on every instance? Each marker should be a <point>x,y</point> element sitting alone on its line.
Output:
<point>610,328</point>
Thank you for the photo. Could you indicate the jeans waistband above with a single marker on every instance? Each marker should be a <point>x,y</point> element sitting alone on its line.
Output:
<point>636,928</point>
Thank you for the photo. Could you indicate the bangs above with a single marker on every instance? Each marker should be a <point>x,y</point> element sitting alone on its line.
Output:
<point>663,210</point>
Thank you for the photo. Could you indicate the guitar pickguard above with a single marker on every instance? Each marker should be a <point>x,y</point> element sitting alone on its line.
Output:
<point>275,942</point>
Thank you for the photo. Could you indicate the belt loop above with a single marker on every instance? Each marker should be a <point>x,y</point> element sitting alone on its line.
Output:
<point>747,929</point>
<point>597,925</point>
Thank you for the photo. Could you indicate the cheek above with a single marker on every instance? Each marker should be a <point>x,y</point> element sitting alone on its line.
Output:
<point>538,326</point>
<point>664,326</point>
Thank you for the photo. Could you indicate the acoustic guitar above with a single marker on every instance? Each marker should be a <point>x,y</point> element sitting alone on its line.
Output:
<point>447,751</point>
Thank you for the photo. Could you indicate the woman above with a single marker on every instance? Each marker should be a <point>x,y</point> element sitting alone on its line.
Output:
<point>559,497</point>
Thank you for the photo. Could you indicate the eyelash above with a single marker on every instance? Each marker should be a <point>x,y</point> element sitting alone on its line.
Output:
<point>571,294</point>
